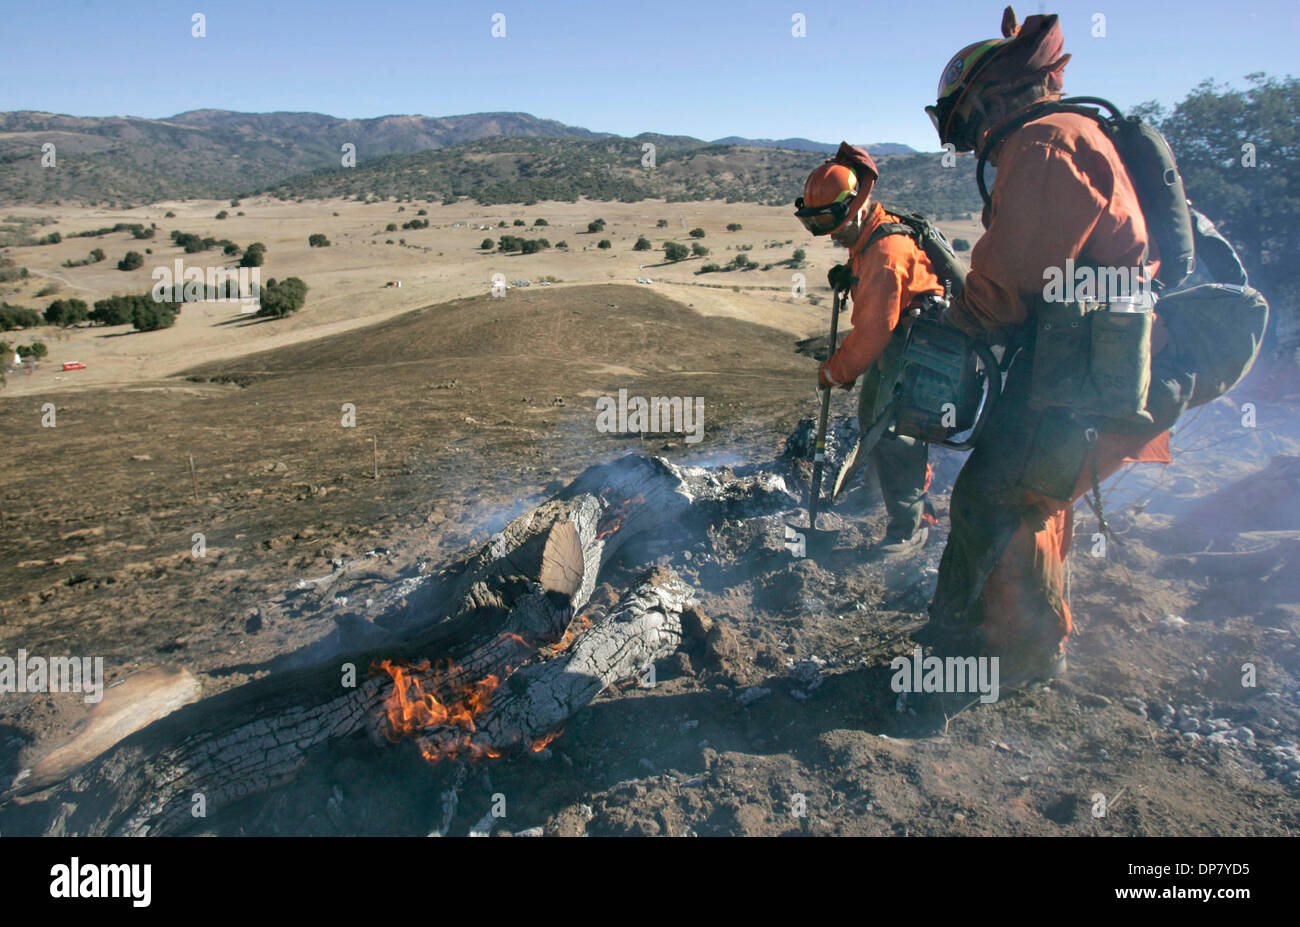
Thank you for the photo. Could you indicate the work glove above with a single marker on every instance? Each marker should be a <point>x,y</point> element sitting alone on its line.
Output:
<point>824,380</point>
<point>839,277</point>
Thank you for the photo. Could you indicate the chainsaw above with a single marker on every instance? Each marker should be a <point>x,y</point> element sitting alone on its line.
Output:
<point>946,383</point>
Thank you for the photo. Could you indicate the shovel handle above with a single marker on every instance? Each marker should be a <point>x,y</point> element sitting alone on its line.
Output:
<point>819,451</point>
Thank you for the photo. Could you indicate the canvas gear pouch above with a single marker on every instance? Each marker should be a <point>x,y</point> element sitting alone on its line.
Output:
<point>1057,454</point>
<point>1093,359</point>
<point>1061,355</point>
<point>1120,361</point>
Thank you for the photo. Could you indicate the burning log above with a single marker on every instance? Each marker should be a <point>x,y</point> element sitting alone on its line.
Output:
<point>514,595</point>
<point>645,626</point>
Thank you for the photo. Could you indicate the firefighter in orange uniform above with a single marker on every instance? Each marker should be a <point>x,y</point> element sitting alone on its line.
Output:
<point>1061,192</point>
<point>885,277</point>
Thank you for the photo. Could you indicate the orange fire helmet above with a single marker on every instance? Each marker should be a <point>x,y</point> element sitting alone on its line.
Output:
<point>830,195</point>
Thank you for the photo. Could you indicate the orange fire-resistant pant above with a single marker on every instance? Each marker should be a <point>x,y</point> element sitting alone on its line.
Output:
<point>1003,569</point>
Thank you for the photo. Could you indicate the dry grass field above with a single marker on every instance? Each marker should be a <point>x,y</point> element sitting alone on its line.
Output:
<point>347,280</point>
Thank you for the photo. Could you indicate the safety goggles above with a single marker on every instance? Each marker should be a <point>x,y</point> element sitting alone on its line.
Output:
<point>953,126</point>
<point>935,119</point>
<point>822,220</point>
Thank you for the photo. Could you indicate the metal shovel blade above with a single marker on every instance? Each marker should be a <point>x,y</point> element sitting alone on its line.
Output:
<point>810,541</point>
<point>803,541</point>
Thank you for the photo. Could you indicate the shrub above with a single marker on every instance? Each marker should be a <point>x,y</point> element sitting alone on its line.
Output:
<point>486,244</point>
<point>596,227</point>
<point>525,245</point>
<point>318,241</point>
<point>116,310</point>
<point>563,244</point>
<point>223,214</point>
<point>960,244</point>
<point>66,312</point>
<point>254,255</point>
<point>422,212</point>
<point>51,239</point>
<point>519,222</point>
<point>661,224</point>
<point>149,316</point>
<point>537,222</point>
<point>798,256</point>
<point>710,269</point>
<point>13,317</point>
<point>391,227</point>
<point>734,226</point>
<point>131,261</point>
<point>36,349</point>
<point>604,243</point>
<point>675,251</point>
<point>48,290</point>
<point>230,248</point>
<point>96,255</point>
<point>501,224</point>
<point>697,233</point>
<point>169,215</point>
<point>192,244</point>
<point>642,244</point>
<point>281,299</point>
<point>698,249</point>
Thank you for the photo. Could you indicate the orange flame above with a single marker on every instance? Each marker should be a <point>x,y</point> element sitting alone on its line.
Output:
<point>542,742</point>
<point>412,709</point>
<point>614,520</point>
<point>579,624</point>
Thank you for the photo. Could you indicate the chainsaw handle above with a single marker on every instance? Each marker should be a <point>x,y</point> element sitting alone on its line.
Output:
<point>993,375</point>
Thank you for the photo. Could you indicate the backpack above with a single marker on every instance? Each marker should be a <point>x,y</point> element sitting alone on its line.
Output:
<point>1151,168</point>
<point>1216,328</point>
<point>950,269</point>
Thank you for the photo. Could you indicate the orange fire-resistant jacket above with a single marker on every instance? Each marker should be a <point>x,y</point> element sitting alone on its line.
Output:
<point>1061,192</point>
<point>891,275</point>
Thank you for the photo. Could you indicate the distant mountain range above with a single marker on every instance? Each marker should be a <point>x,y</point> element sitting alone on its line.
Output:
<point>803,144</point>
<point>527,170</point>
<point>218,153</point>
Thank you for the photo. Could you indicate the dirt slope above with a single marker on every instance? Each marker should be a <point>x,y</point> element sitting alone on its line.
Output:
<point>475,404</point>
<point>482,407</point>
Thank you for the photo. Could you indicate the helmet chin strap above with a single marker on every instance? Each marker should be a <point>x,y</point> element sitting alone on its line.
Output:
<point>977,119</point>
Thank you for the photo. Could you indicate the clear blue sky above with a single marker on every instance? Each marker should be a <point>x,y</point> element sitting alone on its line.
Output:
<point>707,68</point>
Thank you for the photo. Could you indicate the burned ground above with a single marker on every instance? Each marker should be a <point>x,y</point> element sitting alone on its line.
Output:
<point>779,698</point>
